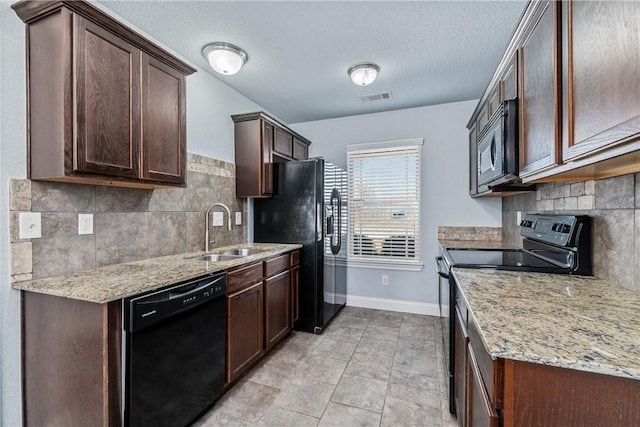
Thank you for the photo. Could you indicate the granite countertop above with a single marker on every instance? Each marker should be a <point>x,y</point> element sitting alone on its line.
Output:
<point>581,323</point>
<point>111,283</point>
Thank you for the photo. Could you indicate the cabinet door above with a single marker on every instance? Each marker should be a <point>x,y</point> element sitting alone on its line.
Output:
<point>509,80</point>
<point>460,367</point>
<point>295,292</point>
<point>278,307</point>
<point>494,100</point>
<point>480,412</point>
<point>107,80</point>
<point>164,118</point>
<point>483,117</point>
<point>283,142</point>
<point>539,109</point>
<point>245,337</point>
<point>601,74</point>
<point>266,180</point>
<point>300,150</point>
<point>473,161</point>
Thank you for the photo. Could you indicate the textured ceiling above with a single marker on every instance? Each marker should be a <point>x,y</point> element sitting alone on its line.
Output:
<point>429,52</point>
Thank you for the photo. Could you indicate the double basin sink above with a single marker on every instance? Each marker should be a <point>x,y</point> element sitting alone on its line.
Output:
<point>229,255</point>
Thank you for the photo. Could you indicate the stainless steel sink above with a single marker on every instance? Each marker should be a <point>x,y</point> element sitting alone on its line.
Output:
<point>217,257</point>
<point>243,251</point>
<point>229,255</point>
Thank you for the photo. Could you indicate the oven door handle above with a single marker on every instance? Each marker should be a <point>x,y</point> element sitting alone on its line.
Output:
<point>442,271</point>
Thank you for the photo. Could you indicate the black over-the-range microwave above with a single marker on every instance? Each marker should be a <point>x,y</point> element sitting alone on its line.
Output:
<point>498,147</point>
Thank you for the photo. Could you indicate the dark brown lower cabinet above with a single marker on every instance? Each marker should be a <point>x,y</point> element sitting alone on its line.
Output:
<point>277,307</point>
<point>295,291</point>
<point>460,369</point>
<point>539,395</point>
<point>245,336</point>
<point>260,305</point>
<point>71,361</point>
<point>496,392</point>
<point>480,411</point>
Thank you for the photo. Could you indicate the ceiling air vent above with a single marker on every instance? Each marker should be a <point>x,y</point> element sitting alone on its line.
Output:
<point>376,97</point>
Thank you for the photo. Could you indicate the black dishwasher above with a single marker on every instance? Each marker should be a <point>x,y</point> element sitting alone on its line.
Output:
<point>174,352</point>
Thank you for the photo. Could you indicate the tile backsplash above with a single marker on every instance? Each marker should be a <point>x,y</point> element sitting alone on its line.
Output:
<point>129,224</point>
<point>613,203</point>
<point>480,234</point>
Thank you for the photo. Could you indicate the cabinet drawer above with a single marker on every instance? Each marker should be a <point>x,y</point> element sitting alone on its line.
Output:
<point>462,305</point>
<point>276,265</point>
<point>244,276</point>
<point>295,258</point>
<point>490,369</point>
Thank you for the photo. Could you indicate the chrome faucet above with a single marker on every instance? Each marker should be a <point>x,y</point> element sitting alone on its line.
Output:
<point>206,223</point>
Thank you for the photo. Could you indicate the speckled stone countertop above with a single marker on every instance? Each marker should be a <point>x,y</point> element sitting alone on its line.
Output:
<point>581,323</point>
<point>110,283</point>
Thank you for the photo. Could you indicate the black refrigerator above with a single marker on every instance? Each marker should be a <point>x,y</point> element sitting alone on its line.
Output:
<point>309,207</point>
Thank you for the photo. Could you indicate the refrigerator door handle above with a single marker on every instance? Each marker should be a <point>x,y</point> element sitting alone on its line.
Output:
<point>319,221</point>
<point>335,247</point>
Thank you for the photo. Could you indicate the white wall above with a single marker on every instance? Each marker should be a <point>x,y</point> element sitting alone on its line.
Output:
<point>210,104</point>
<point>12,163</point>
<point>209,132</point>
<point>444,187</point>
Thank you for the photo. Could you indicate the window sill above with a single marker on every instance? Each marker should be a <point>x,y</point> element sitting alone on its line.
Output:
<point>386,264</point>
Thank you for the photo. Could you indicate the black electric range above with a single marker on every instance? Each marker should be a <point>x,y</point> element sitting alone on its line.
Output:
<point>559,244</point>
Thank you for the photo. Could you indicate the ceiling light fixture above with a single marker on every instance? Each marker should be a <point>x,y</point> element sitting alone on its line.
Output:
<point>363,74</point>
<point>225,58</point>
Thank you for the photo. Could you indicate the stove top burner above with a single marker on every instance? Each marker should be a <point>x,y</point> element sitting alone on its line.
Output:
<point>551,244</point>
<point>502,259</point>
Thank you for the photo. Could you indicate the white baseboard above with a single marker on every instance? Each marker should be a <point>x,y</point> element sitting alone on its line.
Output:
<point>394,305</point>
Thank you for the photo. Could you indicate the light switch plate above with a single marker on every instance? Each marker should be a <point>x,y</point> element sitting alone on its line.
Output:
<point>238,218</point>
<point>30,225</point>
<point>85,223</point>
<point>218,219</point>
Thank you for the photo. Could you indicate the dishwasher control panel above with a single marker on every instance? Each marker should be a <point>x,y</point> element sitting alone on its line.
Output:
<point>145,310</point>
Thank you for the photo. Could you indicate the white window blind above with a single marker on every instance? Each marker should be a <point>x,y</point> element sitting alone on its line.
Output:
<point>384,200</point>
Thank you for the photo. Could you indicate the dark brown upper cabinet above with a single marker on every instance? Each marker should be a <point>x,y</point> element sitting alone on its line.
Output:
<point>164,148</point>
<point>574,67</point>
<point>539,92</point>
<point>261,140</point>
<point>601,75</point>
<point>509,80</point>
<point>300,149</point>
<point>105,105</point>
<point>283,143</point>
<point>473,161</point>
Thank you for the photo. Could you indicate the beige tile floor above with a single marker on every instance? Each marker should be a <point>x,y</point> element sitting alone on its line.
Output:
<point>369,368</point>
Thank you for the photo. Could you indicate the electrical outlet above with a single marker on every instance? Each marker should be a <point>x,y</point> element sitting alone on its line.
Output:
<point>30,225</point>
<point>518,217</point>
<point>238,218</point>
<point>85,223</point>
<point>218,219</point>
<point>385,279</point>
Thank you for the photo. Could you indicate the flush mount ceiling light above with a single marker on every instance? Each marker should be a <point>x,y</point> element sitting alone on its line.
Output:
<point>363,74</point>
<point>225,58</point>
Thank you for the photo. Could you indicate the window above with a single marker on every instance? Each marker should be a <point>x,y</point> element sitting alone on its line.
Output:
<point>384,201</point>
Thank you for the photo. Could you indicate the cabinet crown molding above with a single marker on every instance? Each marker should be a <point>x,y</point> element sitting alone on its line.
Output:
<point>30,11</point>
